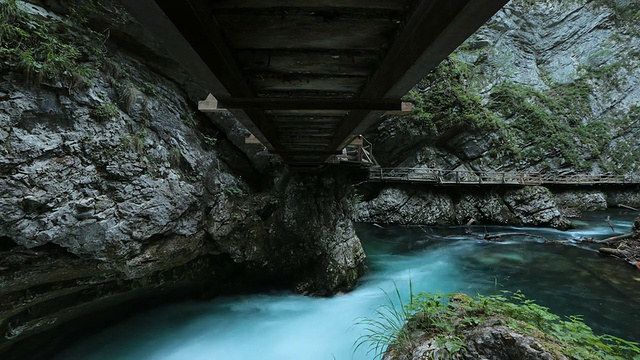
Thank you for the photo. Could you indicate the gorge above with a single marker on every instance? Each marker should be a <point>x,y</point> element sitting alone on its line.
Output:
<point>116,193</point>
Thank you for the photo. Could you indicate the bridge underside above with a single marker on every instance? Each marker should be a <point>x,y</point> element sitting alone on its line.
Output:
<point>306,77</point>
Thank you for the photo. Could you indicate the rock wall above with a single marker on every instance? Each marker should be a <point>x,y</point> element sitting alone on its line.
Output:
<point>530,206</point>
<point>114,188</point>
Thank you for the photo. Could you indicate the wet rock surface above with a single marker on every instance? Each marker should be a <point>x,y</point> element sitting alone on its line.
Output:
<point>529,206</point>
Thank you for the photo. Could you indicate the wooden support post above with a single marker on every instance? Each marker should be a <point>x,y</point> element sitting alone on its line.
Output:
<point>405,109</point>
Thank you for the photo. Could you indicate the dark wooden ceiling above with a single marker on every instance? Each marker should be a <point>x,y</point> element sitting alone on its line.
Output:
<point>305,77</point>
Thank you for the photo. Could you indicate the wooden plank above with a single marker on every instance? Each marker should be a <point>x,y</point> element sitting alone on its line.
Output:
<point>309,113</point>
<point>293,85</point>
<point>302,121</point>
<point>301,94</point>
<point>321,62</point>
<point>306,32</point>
<point>304,136</point>
<point>398,5</point>
<point>305,126</point>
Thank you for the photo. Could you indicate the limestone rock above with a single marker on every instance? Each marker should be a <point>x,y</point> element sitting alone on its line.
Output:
<point>409,205</point>
<point>535,206</point>
<point>572,203</point>
<point>400,206</point>
<point>492,339</point>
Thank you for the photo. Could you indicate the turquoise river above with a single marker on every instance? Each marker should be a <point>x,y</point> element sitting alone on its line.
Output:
<point>550,266</point>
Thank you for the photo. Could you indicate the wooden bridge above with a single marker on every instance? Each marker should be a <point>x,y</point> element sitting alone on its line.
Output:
<point>463,177</point>
<point>306,77</point>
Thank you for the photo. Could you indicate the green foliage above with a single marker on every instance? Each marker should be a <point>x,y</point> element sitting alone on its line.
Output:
<point>445,99</point>
<point>628,13</point>
<point>104,111</point>
<point>444,318</point>
<point>41,48</point>
<point>150,89</point>
<point>387,330</point>
<point>233,190</point>
<point>127,94</point>
<point>139,140</point>
<point>551,123</point>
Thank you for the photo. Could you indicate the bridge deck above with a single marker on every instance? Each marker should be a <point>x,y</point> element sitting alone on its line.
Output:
<point>462,177</point>
<point>306,77</point>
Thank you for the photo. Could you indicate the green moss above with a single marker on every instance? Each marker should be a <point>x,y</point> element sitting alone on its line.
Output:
<point>445,318</point>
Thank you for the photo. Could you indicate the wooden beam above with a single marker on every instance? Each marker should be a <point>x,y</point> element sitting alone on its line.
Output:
<point>406,109</point>
<point>323,4</point>
<point>252,139</point>
<point>311,104</point>
<point>315,61</point>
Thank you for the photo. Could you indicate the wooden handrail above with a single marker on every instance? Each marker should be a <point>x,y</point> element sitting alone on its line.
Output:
<point>441,176</point>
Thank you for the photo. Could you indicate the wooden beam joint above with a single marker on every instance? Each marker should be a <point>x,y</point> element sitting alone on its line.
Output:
<point>392,106</point>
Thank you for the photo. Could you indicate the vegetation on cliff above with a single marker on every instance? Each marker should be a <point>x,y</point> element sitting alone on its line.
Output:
<point>438,326</point>
<point>561,100</point>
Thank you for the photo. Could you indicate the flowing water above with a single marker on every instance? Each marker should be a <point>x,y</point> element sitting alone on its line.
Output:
<point>569,277</point>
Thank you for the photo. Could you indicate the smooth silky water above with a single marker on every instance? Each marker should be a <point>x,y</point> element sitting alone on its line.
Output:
<point>569,277</point>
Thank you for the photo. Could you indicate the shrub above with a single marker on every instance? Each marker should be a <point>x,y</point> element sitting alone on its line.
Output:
<point>104,111</point>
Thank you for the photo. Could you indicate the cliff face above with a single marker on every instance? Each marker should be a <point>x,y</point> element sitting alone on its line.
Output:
<point>113,187</point>
<point>549,86</point>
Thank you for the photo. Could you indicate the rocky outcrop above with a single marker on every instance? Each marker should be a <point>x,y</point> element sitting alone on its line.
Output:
<point>549,87</point>
<point>529,206</point>
<point>113,188</point>
<point>573,203</point>
<point>491,339</point>
<point>498,327</point>
<point>399,205</point>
